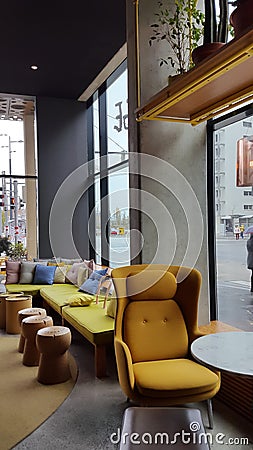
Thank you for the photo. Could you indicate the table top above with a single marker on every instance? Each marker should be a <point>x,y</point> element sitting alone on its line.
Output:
<point>230,351</point>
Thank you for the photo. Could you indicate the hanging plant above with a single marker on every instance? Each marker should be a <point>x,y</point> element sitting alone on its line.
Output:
<point>182,29</point>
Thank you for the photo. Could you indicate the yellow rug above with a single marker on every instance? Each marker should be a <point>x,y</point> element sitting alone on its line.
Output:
<point>25,403</point>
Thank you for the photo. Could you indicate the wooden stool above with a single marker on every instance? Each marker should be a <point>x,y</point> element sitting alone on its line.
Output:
<point>53,344</point>
<point>13,305</point>
<point>30,326</point>
<point>23,314</point>
<point>3,306</point>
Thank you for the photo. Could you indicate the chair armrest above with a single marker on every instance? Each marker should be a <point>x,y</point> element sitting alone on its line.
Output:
<point>125,365</point>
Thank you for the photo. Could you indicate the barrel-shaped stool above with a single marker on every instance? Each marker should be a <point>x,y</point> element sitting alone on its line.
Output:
<point>3,297</point>
<point>53,344</point>
<point>23,314</point>
<point>13,306</point>
<point>30,326</point>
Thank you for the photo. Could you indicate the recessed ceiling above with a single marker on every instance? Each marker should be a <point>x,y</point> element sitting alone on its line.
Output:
<point>69,42</point>
<point>12,108</point>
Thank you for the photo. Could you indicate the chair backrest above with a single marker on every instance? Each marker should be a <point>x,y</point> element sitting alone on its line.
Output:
<point>156,316</point>
<point>154,326</point>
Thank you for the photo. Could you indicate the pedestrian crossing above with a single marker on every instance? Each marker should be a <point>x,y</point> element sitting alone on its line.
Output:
<point>245,285</point>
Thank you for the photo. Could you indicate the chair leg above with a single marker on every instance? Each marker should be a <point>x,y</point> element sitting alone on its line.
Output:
<point>210,412</point>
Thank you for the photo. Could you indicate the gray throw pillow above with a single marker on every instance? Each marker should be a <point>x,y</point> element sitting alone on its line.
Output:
<point>27,272</point>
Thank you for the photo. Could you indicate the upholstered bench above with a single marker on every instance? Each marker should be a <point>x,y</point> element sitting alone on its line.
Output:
<point>91,321</point>
<point>96,326</point>
<point>57,295</point>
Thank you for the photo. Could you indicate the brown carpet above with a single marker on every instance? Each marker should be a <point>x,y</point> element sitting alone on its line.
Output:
<point>25,403</point>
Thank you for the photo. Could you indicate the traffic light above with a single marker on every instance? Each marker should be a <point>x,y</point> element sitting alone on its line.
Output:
<point>1,197</point>
<point>21,203</point>
<point>12,202</point>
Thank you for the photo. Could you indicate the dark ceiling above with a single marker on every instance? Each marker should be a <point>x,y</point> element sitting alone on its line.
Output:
<point>69,41</point>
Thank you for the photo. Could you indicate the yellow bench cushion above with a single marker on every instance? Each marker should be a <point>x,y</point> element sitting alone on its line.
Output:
<point>29,289</point>
<point>92,322</point>
<point>57,295</point>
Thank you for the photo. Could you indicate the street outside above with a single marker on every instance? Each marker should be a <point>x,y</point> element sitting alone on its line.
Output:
<point>235,302</point>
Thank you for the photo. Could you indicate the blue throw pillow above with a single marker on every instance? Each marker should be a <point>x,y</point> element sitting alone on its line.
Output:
<point>44,274</point>
<point>91,285</point>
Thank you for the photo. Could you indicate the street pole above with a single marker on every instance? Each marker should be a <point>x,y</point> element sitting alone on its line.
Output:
<point>11,213</point>
<point>15,183</point>
<point>6,228</point>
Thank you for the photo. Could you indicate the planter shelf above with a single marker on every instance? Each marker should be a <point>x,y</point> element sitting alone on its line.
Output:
<point>214,86</point>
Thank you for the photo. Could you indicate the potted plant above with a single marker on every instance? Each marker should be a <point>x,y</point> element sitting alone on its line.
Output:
<point>215,34</point>
<point>182,29</point>
<point>17,251</point>
<point>241,18</point>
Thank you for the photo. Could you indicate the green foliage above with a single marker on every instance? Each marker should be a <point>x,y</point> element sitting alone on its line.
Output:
<point>182,29</point>
<point>17,251</point>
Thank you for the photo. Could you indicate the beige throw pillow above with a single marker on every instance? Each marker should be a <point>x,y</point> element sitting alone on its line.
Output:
<point>111,307</point>
<point>59,275</point>
<point>82,275</point>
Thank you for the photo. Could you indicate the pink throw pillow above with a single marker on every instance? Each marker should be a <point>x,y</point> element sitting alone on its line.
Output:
<point>12,272</point>
<point>72,274</point>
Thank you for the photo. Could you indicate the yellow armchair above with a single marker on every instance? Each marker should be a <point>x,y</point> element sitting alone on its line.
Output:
<point>156,322</point>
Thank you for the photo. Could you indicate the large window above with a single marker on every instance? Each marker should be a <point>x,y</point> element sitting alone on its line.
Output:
<point>231,183</point>
<point>18,184</point>
<point>108,148</point>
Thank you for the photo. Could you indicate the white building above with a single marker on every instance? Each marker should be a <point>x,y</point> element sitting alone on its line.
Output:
<point>233,204</point>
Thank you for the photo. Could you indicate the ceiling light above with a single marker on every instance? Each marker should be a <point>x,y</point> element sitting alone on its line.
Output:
<point>34,67</point>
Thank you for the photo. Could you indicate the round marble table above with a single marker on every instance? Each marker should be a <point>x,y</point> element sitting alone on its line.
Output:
<point>230,351</point>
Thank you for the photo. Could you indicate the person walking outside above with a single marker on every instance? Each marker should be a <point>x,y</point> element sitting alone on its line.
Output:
<point>250,259</point>
<point>242,231</point>
<point>237,232</point>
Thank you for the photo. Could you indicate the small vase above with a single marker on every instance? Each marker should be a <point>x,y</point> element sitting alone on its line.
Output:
<point>205,51</point>
<point>241,18</point>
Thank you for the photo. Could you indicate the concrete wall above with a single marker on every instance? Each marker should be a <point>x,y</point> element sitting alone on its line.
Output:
<point>62,148</point>
<point>173,197</point>
<point>30,186</point>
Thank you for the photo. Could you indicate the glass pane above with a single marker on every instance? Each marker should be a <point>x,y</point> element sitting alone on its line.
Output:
<point>19,218</point>
<point>98,221</point>
<point>119,218</point>
<point>12,147</point>
<point>96,133</point>
<point>117,120</point>
<point>234,214</point>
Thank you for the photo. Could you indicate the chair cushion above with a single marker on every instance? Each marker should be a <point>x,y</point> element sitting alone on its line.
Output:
<point>151,285</point>
<point>173,378</point>
<point>155,330</point>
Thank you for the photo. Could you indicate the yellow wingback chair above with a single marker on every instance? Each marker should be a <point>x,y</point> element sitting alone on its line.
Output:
<point>156,322</point>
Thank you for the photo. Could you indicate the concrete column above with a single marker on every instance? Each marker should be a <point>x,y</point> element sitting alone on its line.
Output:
<point>30,186</point>
<point>181,149</point>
